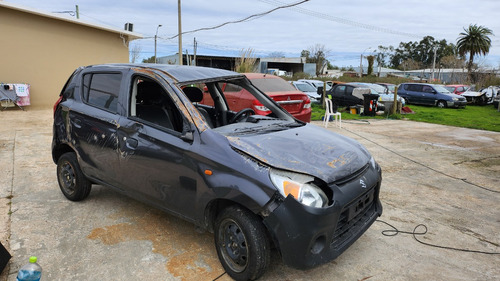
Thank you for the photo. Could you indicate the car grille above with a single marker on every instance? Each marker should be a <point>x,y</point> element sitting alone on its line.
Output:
<point>353,217</point>
<point>352,176</point>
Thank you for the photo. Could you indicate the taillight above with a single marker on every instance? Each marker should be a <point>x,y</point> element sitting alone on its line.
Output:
<point>307,103</point>
<point>57,104</point>
<point>259,106</point>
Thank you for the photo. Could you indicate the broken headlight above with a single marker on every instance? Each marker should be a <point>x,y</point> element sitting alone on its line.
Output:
<point>300,186</point>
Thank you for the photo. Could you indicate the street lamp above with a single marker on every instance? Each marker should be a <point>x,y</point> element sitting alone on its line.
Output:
<point>361,62</point>
<point>156,36</point>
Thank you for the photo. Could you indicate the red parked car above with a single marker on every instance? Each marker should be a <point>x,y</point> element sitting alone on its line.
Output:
<point>292,100</point>
<point>457,89</point>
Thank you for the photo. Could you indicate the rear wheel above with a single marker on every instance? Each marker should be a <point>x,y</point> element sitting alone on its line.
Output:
<point>242,244</point>
<point>441,104</point>
<point>74,185</point>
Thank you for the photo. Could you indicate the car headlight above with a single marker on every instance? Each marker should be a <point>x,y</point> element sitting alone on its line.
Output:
<point>300,186</point>
<point>455,99</point>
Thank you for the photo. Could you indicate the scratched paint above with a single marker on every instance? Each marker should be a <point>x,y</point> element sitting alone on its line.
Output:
<point>191,255</point>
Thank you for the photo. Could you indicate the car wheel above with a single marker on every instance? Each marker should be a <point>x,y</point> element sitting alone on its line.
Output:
<point>483,100</point>
<point>441,104</point>
<point>74,185</point>
<point>242,244</point>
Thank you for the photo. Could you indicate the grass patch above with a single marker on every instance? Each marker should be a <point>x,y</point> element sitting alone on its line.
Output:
<point>473,116</point>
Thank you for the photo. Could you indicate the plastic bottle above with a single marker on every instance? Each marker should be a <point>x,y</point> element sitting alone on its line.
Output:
<point>30,272</point>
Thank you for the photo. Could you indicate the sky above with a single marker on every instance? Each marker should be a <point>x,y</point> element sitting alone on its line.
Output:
<point>346,28</point>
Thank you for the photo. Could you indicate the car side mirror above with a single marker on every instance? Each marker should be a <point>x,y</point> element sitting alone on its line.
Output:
<point>187,136</point>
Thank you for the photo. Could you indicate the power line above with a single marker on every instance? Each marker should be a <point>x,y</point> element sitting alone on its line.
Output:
<point>244,19</point>
<point>342,20</point>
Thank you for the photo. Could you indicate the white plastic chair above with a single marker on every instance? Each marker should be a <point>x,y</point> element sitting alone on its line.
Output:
<point>329,112</point>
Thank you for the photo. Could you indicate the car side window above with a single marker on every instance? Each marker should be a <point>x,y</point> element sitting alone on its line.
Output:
<point>102,89</point>
<point>348,90</point>
<point>151,103</point>
<point>427,89</point>
<point>340,90</point>
<point>415,88</point>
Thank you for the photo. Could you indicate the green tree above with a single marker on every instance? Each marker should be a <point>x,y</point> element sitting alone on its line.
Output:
<point>474,41</point>
<point>316,54</point>
<point>371,60</point>
<point>149,60</point>
<point>421,52</point>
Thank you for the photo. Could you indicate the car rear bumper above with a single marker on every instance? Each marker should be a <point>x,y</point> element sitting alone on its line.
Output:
<point>304,115</point>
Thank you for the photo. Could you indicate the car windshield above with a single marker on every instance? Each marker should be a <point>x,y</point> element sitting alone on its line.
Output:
<point>236,107</point>
<point>391,88</point>
<point>441,89</point>
<point>305,87</point>
<point>272,85</point>
<point>451,89</point>
<point>374,88</point>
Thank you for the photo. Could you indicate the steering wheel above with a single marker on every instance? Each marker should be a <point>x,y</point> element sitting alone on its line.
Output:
<point>241,115</point>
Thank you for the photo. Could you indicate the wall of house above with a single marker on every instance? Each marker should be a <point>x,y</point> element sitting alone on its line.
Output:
<point>43,52</point>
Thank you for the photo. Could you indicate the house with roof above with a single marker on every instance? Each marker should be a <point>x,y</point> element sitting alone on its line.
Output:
<point>42,49</point>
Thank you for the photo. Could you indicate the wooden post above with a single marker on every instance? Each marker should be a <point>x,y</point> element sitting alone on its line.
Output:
<point>395,104</point>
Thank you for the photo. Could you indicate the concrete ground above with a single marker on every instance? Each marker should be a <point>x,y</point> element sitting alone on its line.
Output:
<point>444,177</point>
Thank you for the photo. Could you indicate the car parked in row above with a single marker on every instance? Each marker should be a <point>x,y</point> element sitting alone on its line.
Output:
<point>483,97</point>
<point>457,89</point>
<point>307,89</point>
<point>258,182</point>
<point>430,94</point>
<point>384,94</point>
<point>317,83</point>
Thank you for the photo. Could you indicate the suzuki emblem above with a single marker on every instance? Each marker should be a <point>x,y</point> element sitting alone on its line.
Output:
<point>363,184</point>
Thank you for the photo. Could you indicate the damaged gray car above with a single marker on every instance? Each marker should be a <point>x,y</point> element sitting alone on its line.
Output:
<point>167,135</point>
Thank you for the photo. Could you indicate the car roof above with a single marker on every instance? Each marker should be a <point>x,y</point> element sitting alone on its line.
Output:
<point>181,73</point>
<point>252,75</point>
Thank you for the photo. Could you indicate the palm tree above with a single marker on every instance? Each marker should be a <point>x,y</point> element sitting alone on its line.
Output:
<point>474,41</point>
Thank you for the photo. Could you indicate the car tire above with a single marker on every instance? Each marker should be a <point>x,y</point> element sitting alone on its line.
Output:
<point>441,104</point>
<point>483,100</point>
<point>72,182</point>
<point>242,243</point>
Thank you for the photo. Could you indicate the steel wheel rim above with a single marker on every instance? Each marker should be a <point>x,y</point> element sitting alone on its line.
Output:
<point>67,178</point>
<point>233,245</point>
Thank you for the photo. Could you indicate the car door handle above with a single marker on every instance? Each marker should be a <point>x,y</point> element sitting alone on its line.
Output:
<point>131,143</point>
<point>77,123</point>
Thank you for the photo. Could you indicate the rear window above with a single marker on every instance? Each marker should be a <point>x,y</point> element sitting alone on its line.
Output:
<point>273,85</point>
<point>101,90</point>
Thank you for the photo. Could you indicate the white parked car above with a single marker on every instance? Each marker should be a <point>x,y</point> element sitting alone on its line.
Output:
<point>307,89</point>
<point>316,83</point>
<point>483,97</point>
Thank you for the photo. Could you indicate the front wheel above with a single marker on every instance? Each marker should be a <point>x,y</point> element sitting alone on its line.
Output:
<point>441,104</point>
<point>242,244</point>
<point>73,183</point>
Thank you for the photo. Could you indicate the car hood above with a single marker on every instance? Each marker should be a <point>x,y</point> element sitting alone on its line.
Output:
<point>308,149</point>
<point>471,94</point>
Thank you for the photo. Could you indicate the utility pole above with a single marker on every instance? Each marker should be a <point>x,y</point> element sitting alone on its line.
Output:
<point>361,66</point>
<point>180,30</point>
<point>156,36</point>
<point>434,63</point>
<point>77,12</point>
<point>195,47</point>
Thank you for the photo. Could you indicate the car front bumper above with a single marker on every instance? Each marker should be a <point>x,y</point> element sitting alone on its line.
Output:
<point>457,103</point>
<point>308,237</point>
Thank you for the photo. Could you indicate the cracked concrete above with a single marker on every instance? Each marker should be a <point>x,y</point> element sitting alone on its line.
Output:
<point>109,236</point>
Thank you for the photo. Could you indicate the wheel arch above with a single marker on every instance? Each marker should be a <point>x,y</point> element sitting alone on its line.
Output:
<point>59,150</point>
